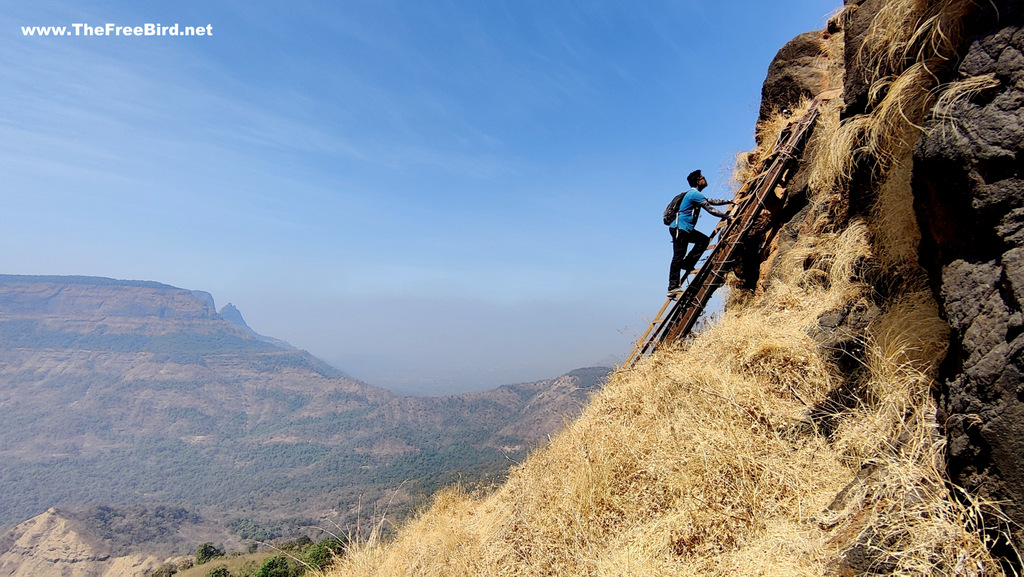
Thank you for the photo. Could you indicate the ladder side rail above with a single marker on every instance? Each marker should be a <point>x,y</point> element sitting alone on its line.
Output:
<point>655,333</point>
<point>659,335</point>
<point>713,277</point>
<point>686,323</point>
<point>643,342</point>
<point>679,307</point>
<point>692,301</point>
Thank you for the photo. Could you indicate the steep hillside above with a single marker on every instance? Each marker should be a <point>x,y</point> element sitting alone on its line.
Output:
<point>100,541</point>
<point>805,433</point>
<point>122,392</point>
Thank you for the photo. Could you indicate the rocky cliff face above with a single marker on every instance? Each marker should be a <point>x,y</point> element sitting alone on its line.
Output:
<point>90,304</point>
<point>969,192</point>
<point>794,74</point>
<point>957,145</point>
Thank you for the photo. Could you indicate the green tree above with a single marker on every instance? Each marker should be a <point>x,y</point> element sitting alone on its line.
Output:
<point>165,570</point>
<point>319,555</point>
<point>206,552</point>
<point>221,571</point>
<point>277,566</point>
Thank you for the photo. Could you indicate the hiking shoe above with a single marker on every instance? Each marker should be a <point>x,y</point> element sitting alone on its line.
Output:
<point>675,292</point>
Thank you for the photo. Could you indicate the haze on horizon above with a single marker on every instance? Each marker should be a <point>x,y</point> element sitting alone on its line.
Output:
<point>435,197</point>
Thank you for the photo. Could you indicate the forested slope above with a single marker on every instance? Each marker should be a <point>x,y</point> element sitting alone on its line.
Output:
<point>118,393</point>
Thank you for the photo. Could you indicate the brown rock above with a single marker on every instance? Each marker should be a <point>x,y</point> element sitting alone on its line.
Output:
<point>968,177</point>
<point>796,72</point>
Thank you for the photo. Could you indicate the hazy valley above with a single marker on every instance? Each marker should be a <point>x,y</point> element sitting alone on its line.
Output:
<point>118,393</point>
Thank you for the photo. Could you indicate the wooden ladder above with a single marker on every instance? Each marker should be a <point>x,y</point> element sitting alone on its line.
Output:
<point>679,314</point>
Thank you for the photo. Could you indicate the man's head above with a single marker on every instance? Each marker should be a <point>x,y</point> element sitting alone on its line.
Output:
<point>696,180</point>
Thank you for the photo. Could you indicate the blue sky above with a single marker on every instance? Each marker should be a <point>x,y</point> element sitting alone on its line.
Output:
<point>435,196</point>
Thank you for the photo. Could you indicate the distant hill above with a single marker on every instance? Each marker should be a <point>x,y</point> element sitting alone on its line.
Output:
<point>127,393</point>
<point>101,541</point>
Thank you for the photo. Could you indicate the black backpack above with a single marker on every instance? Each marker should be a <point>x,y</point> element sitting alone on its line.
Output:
<point>673,209</point>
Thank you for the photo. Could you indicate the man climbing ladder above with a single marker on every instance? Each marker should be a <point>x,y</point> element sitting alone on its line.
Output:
<point>681,217</point>
<point>680,312</point>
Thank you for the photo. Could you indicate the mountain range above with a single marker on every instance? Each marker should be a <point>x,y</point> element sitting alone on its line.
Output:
<point>132,393</point>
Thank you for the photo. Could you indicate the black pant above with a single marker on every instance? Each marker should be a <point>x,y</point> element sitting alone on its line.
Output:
<point>681,260</point>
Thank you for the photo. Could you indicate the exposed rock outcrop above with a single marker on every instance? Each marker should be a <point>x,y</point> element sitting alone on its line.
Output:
<point>969,189</point>
<point>856,78</point>
<point>968,195</point>
<point>230,313</point>
<point>92,300</point>
<point>796,72</point>
<point>50,545</point>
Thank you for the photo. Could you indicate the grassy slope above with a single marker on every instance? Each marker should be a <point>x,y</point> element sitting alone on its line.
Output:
<point>703,460</point>
<point>713,458</point>
<point>237,565</point>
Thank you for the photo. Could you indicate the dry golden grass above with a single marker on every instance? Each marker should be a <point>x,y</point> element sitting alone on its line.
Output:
<point>954,92</point>
<point>907,44</point>
<point>834,47</point>
<point>897,236</point>
<point>768,132</point>
<point>904,512</point>
<point>703,460</point>
<point>832,149</point>
<point>914,31</point>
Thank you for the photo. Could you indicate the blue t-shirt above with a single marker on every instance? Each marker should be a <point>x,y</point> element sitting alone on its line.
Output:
<point>689,210</point>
